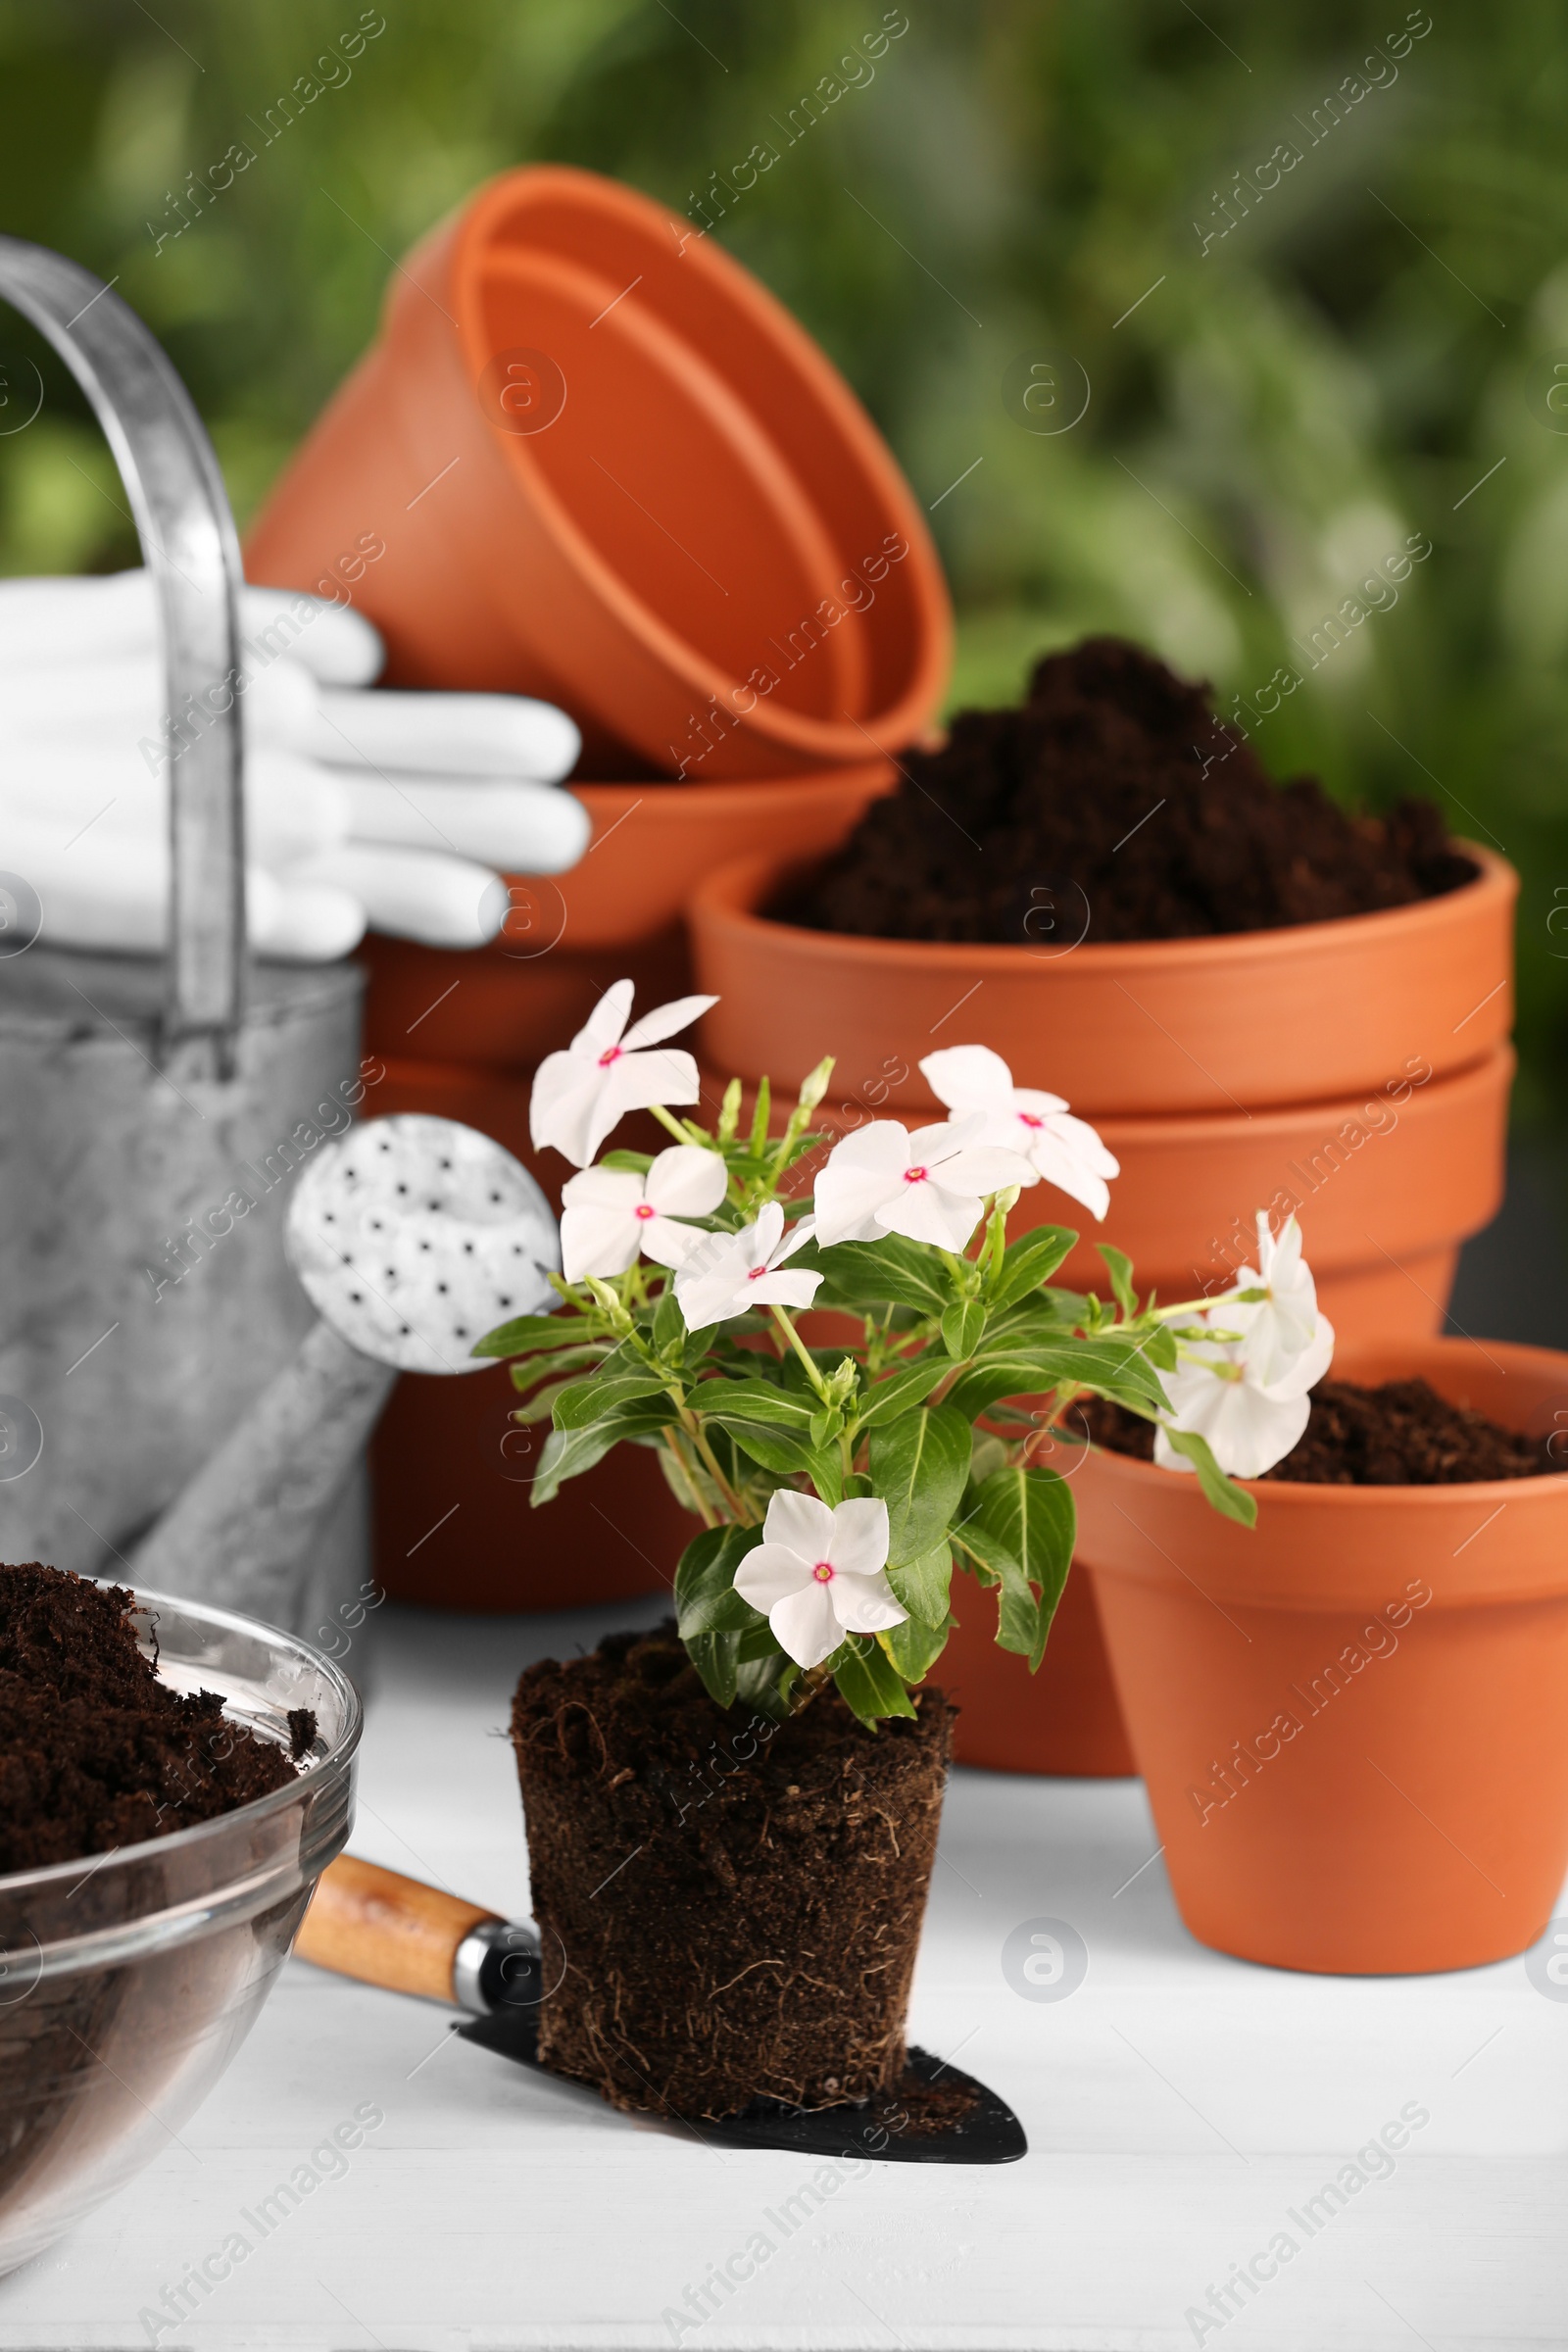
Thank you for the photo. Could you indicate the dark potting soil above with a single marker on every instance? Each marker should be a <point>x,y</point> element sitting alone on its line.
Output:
<point>1402,1434</point>
<point>96,1751</point>
<point>1113,805</point>
<point>738,1902</point>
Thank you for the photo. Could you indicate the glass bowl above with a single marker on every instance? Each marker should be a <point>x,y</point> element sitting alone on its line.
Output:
<point>128,1980</point>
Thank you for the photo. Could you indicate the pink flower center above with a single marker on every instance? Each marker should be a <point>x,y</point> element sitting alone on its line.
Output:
<point>915,1175</point>
<point>644,1209</point>
<point>612,1054</point>
<point>755,1273</point>
<point>823,1572</point>
<point>1031,1118</point>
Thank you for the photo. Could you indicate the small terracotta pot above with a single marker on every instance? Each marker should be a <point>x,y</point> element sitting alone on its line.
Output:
<point>591,459</point>
<point>618,912</point>
<point>1351,1719</point>
<point>451,1470</point>
<point>1065,1719</point>
<point>1209,1026</point>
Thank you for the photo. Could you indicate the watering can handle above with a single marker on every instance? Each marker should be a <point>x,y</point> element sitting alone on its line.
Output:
<point>190,547</point>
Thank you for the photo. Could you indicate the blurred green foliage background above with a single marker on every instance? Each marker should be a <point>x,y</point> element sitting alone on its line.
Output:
<point>1288,380</point>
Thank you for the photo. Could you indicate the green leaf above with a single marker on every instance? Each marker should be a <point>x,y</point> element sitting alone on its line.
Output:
<point>1029,1517</point>
<point>1119,1266</point>
<point>905,1385</point>
<point>775,1448</point>
<point>670,1324</point>
<point>527,1334</point>
<point>582,1403</point>
<point>1112,1365</point>
<point>963,1327</point>
<point>915,1648</point>
<point>634,1164</point>
<point>919,1465</point>
<point>569,1452</point>
<point>527,1371</point>
<point>874,1273</point>
<point>714,1657</point>
<point>735,1401</point>
<point>921,1586</point>
<point>763,1684</point>
<point>867,1681</point>
<point>706,1598</point>
<point>1029,1261</point>
<point>1225,1495</point>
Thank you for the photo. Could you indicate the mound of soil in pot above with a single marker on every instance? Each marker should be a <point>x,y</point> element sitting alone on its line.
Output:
<point>1402,1434</point>
<point>738,1902</point>
<point>1115,780</point>
<point>96,1751</point>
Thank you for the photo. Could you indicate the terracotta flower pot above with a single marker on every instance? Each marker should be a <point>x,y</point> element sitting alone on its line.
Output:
<point>1351,1719</point>
<point>451,1470</point>
<point>619,911</point>
<point>1313,1014</point>
<point>590,458</point>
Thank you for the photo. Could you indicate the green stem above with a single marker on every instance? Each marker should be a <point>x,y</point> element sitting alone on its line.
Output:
<point>667,1120</point>
<point>699,1438</point>
<point>802,1351</point>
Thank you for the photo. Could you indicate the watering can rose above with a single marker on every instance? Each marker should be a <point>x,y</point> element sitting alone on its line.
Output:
<point>842,1486</point>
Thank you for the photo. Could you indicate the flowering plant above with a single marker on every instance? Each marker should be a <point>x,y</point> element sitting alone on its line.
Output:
<point>841,1482</point>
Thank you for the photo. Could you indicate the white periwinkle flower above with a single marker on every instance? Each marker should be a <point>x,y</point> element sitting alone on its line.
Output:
<point>725,1273</point>
<point>610,1216</point>
<point>1066,1152</point>
<point>818,1574</point>
<point>929,1185</point>
<point>1279,1329</point>
<point>584,1091</point>
<point>1249,1395</point>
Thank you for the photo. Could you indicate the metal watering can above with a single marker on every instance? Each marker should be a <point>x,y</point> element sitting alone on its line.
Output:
<point>152,1120</point>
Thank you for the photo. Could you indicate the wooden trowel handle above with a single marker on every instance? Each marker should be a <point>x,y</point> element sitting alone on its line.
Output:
<point>385,1930</point>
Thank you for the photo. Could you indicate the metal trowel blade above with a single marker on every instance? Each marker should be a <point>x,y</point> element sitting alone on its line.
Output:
<point>987,2132</point>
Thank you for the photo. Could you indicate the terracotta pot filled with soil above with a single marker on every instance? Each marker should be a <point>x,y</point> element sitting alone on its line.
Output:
<point>172,1781</point>
<point>739,1902</point>
<point>608,469</point>
<point>1349,1717</point>
<point>1256,999</point>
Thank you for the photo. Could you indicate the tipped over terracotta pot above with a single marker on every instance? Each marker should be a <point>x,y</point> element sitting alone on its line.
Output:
<point>597,461</point>
<point>1350,1717</point>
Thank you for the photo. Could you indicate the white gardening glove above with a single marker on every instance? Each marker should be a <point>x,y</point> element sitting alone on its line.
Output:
<point>362,808</point>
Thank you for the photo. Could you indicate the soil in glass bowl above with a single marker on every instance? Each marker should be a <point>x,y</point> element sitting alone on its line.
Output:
<point>1401,1434</point>
<point>96,1751</point>
<point>1117,777</point>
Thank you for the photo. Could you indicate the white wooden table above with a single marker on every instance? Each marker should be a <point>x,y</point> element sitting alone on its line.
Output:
<point>1182,2111</point>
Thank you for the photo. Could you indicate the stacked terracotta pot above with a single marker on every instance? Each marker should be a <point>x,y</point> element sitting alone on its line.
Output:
<point>609,470</point>
<point>1356,1072</point>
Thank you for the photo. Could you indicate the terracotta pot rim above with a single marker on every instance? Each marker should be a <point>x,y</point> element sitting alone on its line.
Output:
<point>731,895</point>
<point>728,794</point>
<point>1548,1491</point>
<point>456,252</point>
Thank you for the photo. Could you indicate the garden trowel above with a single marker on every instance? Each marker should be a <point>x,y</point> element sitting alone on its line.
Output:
<point>389,1931</point>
